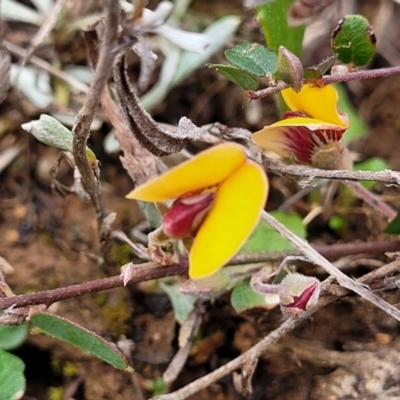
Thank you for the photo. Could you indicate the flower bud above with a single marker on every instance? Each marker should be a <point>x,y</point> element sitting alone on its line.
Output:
<point>297,293</point>
<point>290,69</point>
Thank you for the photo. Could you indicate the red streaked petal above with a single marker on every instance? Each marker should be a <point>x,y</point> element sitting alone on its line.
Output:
<point>294,141</point>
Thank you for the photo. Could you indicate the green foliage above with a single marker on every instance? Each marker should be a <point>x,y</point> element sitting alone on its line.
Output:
<point>346,197</point>
<point>80,337</point>
<point>56,393</point>
<point>13,336</point>
<point>237,75</point>
<point>181,303</point>
<point>357,127</point>
<point>243,297</point>
<point>394,227</point>
<point>373,164</point>
<point>51,132</point>
<point>12,379</point>
<point>157,387</point>
<point>253,58</point>
<point>265,238</point>
<point>318,71</point>
<point>353,40</point>
<point>273,19</point>
<point>290,69</point>
<point>151,213</point>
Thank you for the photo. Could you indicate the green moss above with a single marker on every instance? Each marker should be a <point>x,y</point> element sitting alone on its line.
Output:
<point>122,253</point>
<point>56,393</point>
<point>116,315</point>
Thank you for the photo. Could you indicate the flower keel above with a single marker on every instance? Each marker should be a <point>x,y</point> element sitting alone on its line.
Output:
<point>186,214</point>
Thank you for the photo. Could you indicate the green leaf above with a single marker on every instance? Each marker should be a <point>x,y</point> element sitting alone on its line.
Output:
<point>265,238</point>
<point>318,71</point>
<point>290,68</point>
<point>13,336</point>
<point>273,18</point>
<point>337,222</point>
<point>373,164</point>
<point>394,227</point>
<point>49,131</point>
<point>243,297</point>
<point>157,387</point>
<point>253,58</point>
<point>353,40</point>
<point>357,127</point>
<point>236,75</point>
<point>151,213</point>
<point>82,338</point>
<point>182,304</point>
<point>12,379</point>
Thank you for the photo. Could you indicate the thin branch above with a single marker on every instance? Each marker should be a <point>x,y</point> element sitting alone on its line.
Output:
<point>44,29</point>
<point>149,271</point>
<point>347,77</point>
<point>329,251</point>
<point>364,194</point>
<point>388,177</point>
<point>81,129</point>
<point>144,272</point>
<point>266,343</point>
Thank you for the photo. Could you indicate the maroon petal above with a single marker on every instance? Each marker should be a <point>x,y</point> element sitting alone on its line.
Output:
<point>186,214</point>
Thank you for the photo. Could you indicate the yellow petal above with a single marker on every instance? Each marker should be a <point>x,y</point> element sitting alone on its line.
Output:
<point>207,169</point>
<point>272,138</point>
<point>311,123</point>
<point>235,213</point>
<point>317,102</point>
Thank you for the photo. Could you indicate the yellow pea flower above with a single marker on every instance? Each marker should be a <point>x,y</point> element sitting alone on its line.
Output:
<point>218,199</point>
<point>312,133</point>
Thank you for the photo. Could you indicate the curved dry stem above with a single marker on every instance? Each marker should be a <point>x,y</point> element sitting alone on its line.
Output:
<point>81,129</point>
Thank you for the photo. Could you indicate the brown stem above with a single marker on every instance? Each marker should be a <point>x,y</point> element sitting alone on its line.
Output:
<point>347,77</point>
<point>364,194</point>
<point>148,271</point>
<point>81,129</point>
<point>388,177</point>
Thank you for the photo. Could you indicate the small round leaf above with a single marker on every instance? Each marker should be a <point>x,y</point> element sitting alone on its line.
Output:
<point>353,40</point>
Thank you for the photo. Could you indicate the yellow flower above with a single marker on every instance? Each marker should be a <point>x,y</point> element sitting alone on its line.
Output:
<point>312,132</point>
<point>218,198</point>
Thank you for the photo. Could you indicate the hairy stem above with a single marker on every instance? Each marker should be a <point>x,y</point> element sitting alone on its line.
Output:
<point>347,77</point>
